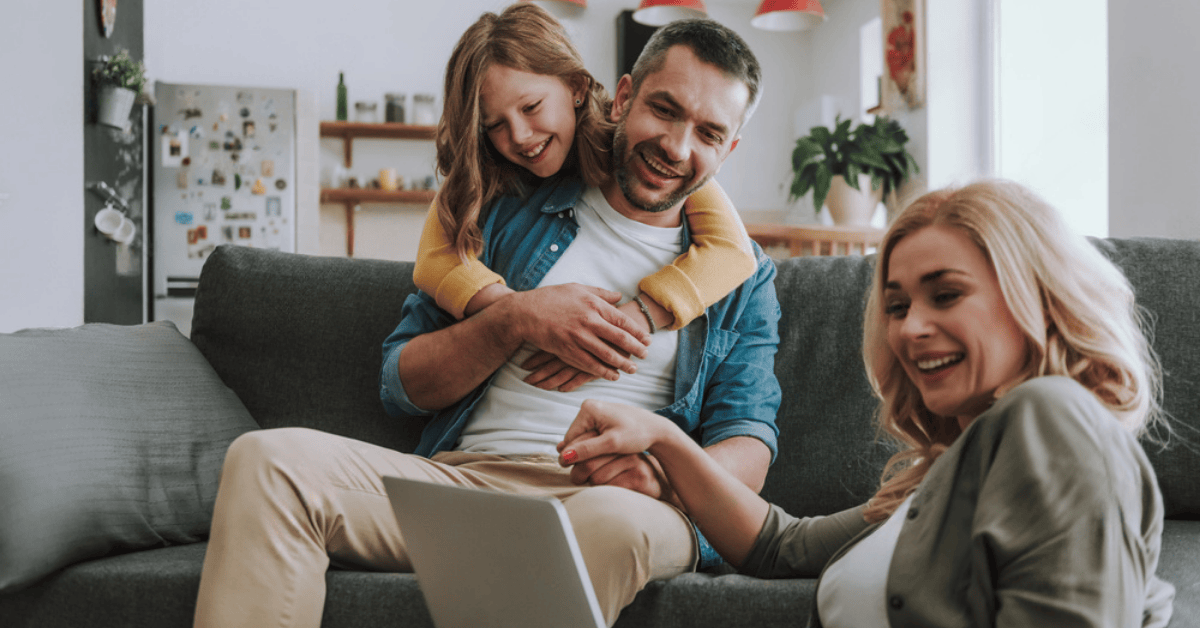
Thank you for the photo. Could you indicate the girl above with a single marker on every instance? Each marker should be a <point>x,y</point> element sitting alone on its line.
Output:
<point>519,105</point>
<point>1011,365</point>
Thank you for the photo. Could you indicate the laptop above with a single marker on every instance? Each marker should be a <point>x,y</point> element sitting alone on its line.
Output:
<point>484,558</point>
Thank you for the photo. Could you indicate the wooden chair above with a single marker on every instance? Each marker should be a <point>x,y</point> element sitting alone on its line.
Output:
<point>799,240</point>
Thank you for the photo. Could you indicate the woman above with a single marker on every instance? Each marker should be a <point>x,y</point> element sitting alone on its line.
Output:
<point>1011,365</point>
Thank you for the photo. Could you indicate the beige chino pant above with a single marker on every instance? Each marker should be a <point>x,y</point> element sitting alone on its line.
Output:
<point>292,501</point>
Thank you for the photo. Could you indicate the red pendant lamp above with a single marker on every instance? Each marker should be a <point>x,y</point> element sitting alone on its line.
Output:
<point>788,15</point>
<point>660,12</point>
<point>582,3</point>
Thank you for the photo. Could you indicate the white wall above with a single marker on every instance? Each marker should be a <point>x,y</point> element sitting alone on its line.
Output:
<point>1153,161</point>
<point>1052,105</point>
<point>41,165</point>
<point>386,45</point>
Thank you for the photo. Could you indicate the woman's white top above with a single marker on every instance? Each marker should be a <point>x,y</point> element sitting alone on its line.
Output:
<point>853,591</point>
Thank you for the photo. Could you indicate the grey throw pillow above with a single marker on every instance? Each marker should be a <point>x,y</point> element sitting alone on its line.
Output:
<point>111,440</point>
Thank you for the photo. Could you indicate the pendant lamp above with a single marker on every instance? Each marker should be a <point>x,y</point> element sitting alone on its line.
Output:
<point>660,12</point>
<point>788,15</point>
<point>582,3</point>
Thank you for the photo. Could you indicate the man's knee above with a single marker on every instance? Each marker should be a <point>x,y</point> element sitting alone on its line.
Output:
<point>621,517</point>
<point>268,449</point>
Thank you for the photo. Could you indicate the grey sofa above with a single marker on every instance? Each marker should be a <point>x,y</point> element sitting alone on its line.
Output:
<point>298,338</point>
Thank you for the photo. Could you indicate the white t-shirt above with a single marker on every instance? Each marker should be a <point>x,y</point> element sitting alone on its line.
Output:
<point>853,591</point>
<point>610,251</point>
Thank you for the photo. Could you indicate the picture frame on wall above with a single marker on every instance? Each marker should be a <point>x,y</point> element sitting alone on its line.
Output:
<point>903,53</point>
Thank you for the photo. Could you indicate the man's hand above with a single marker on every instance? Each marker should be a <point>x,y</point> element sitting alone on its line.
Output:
<point>582,327</point>
<point>636,472</point>
<point>549,372</point>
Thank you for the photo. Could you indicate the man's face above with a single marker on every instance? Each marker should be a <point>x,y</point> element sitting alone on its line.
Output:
<point>675,133</point>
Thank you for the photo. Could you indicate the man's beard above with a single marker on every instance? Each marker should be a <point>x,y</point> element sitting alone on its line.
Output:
<point>621,172</point>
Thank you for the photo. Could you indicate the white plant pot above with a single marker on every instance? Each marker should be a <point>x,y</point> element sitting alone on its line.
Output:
<point>849,206</point>
<point>115,103</point>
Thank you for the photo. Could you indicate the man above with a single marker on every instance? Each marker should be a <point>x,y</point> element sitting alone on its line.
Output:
<point>292,501</point>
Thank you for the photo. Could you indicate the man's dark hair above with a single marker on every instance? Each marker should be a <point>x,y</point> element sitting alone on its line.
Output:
<point>712,43</point>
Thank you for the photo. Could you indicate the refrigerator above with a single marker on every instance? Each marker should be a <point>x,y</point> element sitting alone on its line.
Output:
<point>223,171</point>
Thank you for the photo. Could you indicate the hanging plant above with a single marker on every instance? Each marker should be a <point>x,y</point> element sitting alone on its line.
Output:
<point>119,80</point>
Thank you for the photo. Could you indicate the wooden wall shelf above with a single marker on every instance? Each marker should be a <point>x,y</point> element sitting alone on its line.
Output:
<point>347,131</point>
<point>358,195</point>
<point>352,197</point>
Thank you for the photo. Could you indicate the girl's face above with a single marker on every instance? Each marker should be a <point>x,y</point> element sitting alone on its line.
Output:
<point>529,118</point>
<point>948,323</point>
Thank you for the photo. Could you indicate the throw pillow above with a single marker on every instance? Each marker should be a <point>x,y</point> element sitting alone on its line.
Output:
<point>111,440</point>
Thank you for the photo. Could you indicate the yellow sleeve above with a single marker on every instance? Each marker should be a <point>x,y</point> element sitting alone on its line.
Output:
<point>718,261</point>
<point>440,272</point>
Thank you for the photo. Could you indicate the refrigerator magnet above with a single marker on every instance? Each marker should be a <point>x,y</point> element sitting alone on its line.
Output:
<point>243,233</point>
<point>259,188</point>
<point>226,202</point>
<point>181,179</point>
<point>274,206</point>
<point>218,177</point>
<point>191,112</point>
<point>183,218</point>
<point>174,148</point>
<point>237,181</point>
<point>227,233</point>
<point>280,184</point>
<point>268,168</point>
<point>248,128</point>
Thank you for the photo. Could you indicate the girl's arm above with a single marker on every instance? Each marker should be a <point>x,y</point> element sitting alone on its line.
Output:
<point>718,261</point>
<point>459,288</point>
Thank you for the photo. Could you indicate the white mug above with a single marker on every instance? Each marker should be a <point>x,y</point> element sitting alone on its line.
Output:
<point>125,232</point>
<point>108,220</point>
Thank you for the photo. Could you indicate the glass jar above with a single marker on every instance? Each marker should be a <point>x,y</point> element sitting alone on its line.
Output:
<point>394,109</point>
<point>366,111</point>
<point>423,112</point>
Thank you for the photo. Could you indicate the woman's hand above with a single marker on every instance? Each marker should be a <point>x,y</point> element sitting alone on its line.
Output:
<point>604,428</point>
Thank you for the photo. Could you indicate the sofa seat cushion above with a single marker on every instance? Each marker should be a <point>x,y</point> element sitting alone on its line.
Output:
<point>157,589</point>
<point>111,440</point>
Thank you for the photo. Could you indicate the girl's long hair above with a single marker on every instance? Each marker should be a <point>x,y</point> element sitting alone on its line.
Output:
<point>1074,306</point>
<point>523,37</point>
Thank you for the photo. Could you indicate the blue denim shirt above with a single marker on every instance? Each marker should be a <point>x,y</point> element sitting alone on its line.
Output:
<point>725,383</point>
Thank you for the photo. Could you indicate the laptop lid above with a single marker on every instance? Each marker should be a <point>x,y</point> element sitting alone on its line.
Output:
<point>493,559</point>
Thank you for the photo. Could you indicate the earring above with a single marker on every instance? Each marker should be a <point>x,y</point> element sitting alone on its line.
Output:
<point>578,102</point>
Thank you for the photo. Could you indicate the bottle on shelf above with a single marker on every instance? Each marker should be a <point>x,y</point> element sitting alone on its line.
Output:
<point>341,97</point>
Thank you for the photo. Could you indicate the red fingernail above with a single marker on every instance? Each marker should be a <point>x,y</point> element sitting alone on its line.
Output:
<point>569,456</point>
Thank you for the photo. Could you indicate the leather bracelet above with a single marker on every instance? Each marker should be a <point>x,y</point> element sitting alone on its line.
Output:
<point>645,310</point>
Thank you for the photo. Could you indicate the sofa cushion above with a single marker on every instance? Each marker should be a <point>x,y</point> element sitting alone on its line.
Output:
<point>111,439</point>
<point>1164,273</point>
<point>299,338</point>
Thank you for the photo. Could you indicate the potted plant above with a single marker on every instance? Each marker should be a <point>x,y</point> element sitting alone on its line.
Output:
<point>119,80</point>
<point>833,164</point>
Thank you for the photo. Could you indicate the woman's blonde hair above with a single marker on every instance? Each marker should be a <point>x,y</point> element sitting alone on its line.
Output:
<point>523,37</point>
<point>1074,306</point>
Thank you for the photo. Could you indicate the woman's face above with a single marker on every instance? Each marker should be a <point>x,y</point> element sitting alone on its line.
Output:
<point>948,323</point>
<point>529,118</point>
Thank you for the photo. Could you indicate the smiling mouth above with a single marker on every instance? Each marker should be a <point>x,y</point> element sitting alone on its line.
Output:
<point>657,167</point>
<point>536,151</point>
<point>934,365</point>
